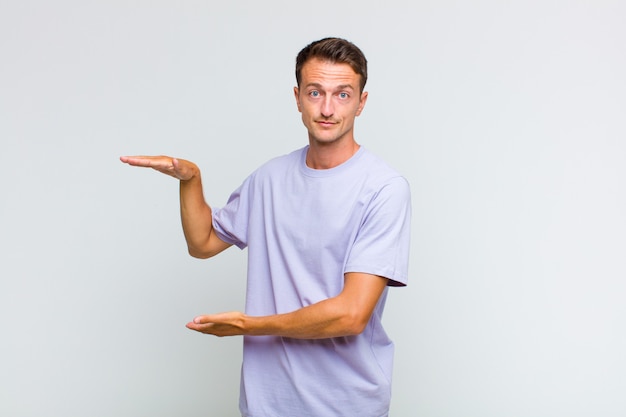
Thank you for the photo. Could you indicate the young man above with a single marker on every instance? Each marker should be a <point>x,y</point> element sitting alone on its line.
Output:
<point>327,232</point>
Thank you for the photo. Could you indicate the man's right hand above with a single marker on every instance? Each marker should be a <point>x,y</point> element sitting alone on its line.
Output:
<point>178,168</point>
<point>196,216</point>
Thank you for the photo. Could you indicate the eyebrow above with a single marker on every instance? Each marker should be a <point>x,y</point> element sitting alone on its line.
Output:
<point>339,87</point>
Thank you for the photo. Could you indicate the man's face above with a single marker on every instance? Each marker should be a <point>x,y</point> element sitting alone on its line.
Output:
<point>329,100</point>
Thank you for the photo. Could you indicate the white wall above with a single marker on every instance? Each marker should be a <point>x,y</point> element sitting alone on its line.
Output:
<point>506,117</point>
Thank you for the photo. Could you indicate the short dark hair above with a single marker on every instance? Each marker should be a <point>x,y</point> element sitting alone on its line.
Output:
<point>335,50</point>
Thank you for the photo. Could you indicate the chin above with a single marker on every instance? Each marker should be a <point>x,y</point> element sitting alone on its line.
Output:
<point>325,137</point>
<point>324,140</point>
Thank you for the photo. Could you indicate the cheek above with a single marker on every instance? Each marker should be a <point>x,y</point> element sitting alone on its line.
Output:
<point>307,108</point>
<point>358,109</point>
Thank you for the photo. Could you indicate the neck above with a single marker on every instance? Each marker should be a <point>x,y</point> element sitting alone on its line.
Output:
<point>329,155</point>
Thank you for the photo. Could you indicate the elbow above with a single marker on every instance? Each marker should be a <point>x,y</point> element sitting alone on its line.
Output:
<point>199,254</point>
<point>355,324</point>
<point>358,328</point>
<point>206,248</point>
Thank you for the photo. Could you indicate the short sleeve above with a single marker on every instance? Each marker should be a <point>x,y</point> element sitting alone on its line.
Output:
<point>381,246</point>
<point>231,221</point>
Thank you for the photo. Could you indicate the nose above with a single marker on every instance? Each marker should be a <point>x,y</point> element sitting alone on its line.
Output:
<point>328,109</point>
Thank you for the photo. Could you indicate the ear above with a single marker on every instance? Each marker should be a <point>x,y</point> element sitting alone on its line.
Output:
<point>296,93</point>
<point>361,103</point>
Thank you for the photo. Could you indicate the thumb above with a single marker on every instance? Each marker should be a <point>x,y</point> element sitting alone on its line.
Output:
<point>184,170</point>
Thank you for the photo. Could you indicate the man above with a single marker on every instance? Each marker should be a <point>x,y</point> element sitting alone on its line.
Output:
<point>327,232</point>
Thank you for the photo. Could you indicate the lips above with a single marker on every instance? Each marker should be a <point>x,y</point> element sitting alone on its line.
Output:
<point>325,123</point>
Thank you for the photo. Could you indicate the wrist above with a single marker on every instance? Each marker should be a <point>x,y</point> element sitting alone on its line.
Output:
<point>253,325</point>
<point>193,177</point>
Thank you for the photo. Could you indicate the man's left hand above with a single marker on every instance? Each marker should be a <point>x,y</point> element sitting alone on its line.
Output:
<point>222,324</point>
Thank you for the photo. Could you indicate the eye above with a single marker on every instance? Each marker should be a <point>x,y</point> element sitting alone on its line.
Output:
<point>343,95</point>
<point>314,93</point>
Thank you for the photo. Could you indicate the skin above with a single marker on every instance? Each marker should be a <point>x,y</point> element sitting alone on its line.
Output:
<point>329,100</point>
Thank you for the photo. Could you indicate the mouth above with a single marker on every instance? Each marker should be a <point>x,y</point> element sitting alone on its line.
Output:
<point>325,123</point>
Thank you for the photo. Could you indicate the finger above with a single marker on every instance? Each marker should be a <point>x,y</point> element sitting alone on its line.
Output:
<point>215,329</point>
<point>228,318</point>
<point>134,158</point>
<point>194,326</point>
<point>206,319</point>
<point>148,161</point>
<point>208,328</point>
<point>163,164</point>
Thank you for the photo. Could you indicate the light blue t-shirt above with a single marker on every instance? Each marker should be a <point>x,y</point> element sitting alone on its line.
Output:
<point>305,228</point>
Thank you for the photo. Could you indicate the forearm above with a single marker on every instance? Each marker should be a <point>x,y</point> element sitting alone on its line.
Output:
<point>328,318</point>
<point>344,315</point>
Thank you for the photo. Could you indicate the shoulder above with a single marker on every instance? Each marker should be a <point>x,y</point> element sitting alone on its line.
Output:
<point>279,164</point>
<point>273,170</point>
<point>380,174</point>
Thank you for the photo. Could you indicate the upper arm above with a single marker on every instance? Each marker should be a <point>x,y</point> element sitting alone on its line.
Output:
<point>381,246</point>
<point>214,245</point>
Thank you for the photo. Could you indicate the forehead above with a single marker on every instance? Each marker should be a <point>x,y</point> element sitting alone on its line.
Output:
<point>317,71</point>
